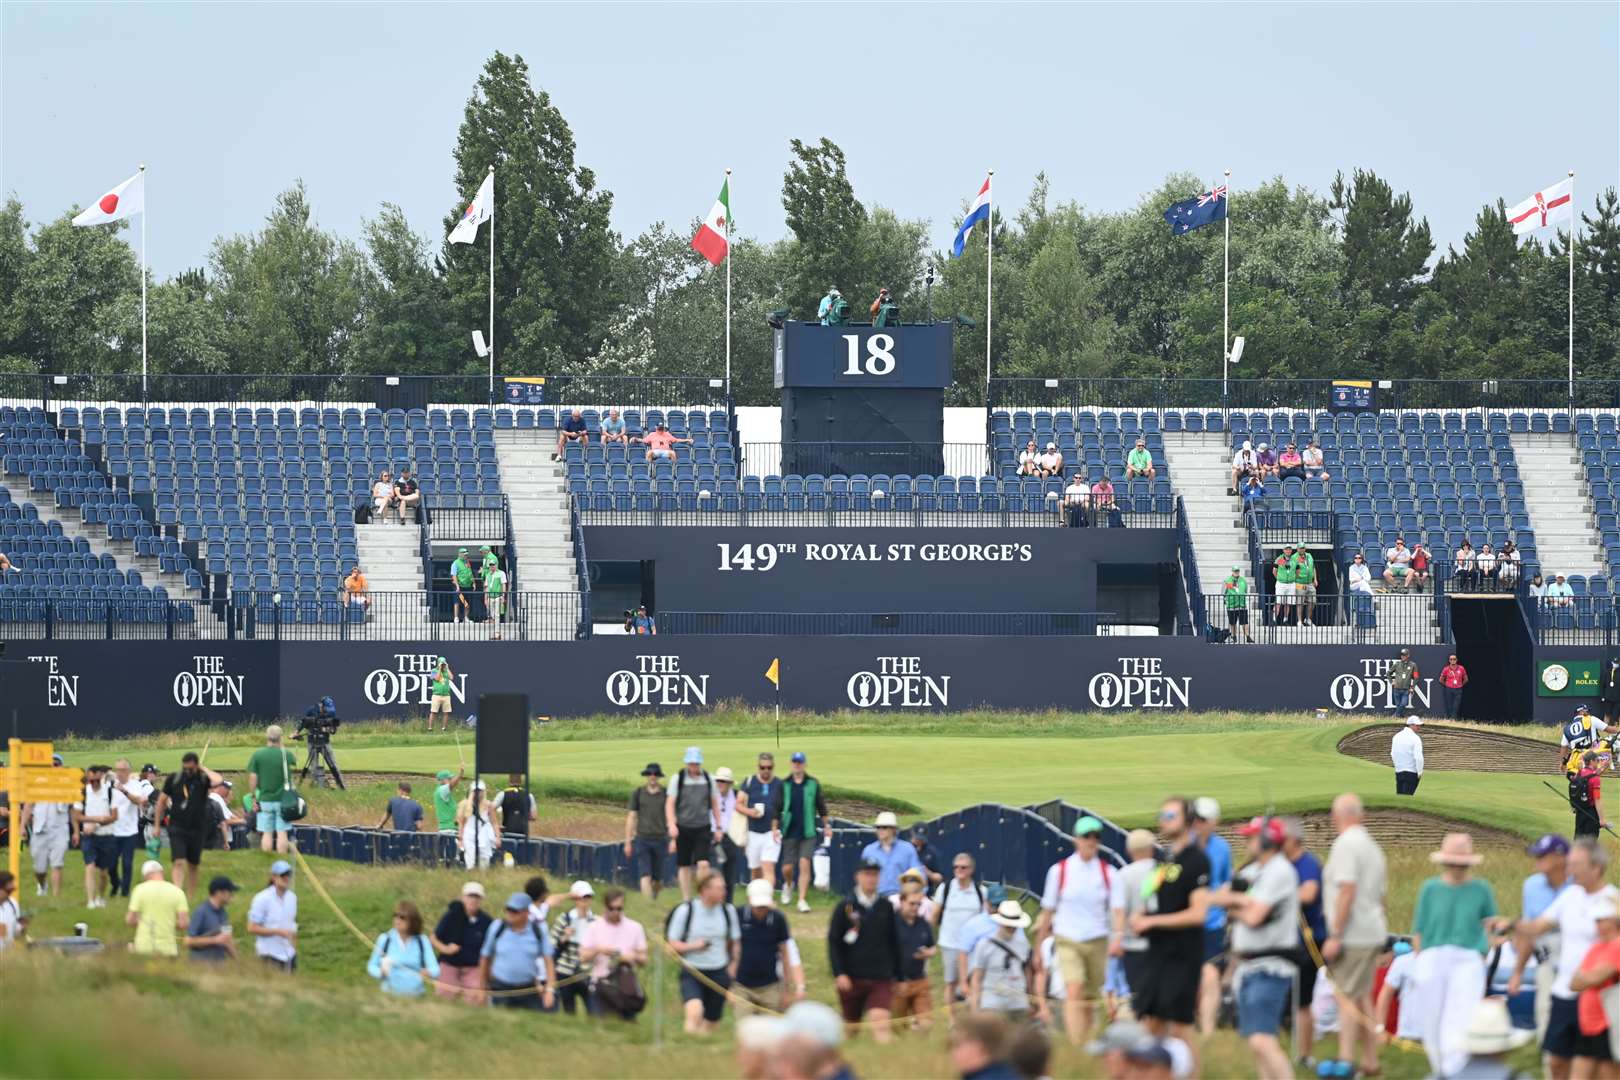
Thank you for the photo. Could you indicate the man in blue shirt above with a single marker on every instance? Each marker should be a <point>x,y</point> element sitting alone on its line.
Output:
<point>573,430</point>
<point>515,951</point>
<point>761,803</point>
<point>1206,819</point>
<point>893,857</point>
<point>1541,888</point>
<point>1309,869</point>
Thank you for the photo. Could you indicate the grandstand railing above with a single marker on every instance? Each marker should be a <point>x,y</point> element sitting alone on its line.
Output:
<point>404,616</point>
<point>880,624</point>
<point>1338,619</point>
<point>1448,581</point>
<point>1193,590</point>
<point>1290,521</point>
<point>1209,394</point>
<point>1574,620</point>
<point>342,391</point>
<point>582,571</point>
<point>467,519</point>
<point>71,619</point>
<point>1143,512</point>
<point>888,458</point>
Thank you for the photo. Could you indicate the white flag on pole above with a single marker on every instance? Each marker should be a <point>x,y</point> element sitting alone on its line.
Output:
<point>480,210</point>
<point>1550,207</point>
<point>119,203</point>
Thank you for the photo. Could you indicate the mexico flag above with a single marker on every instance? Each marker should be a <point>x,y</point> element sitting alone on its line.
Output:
<point>119,203</point>
<point>713,239</point>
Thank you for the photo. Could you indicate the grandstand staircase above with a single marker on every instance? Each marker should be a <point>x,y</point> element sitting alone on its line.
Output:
<point>536,490</point>
<point>1199,463</point>
<point>390,556</point>
<point>1559,503</point>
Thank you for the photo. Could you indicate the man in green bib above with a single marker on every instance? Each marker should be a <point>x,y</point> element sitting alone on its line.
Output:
<point>461,573</point>
<point>495,595</point>
<point>1236,590</point>
<point>1305,585</point>
<point>439,703</point>
<point>1284,567</point>
<point>444,799</point>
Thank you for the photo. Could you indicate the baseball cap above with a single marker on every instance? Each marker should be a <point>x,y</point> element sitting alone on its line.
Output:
<point>1206,809</point>
<point>461,551</point>
<point>1120,1036</point>
<point>798,755</point>
<point>693,756</point>
<point>147,768</point>
<point>1548,844</point>
<point>581,888</point>
<point>223,884</point>
<point>761,893</point>
<point>869,864</point>
<point>1087,826</point>
<point>279,867</point>
<point>1414,720</point>
<point>151,866</point>
<point>444,774</point>
<point>995,894</point>
<point>652,769</point>
<point>518,901</point>
<point>1237,566</point>
<point>1268,828</point>
<point>1150,1052</point>
<point>472,888</point>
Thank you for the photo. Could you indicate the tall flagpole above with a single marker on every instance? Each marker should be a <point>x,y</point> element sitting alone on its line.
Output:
<point>492,284</point>
<point>1574,219</point>
<point>1226,288</point>
<point>143,282</point>
<point>728,284</point>
<point>989,277</point>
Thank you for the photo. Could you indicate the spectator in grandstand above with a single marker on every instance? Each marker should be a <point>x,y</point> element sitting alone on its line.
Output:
<point>1406,754</point>
<point>1353,892</point>
<point>573,430</point>
<point>1449,928</point>
<point>1077,501</point>
<point>1254,493</point>
<point>928,859</point>
<point>979,1048</point>
<point>1421,566</point>
<point>516,952</point>
<point>1360,575</point>
<point>403,960</point>
<point>1051,463</point>
<point>1509,564</point>
<point>1559,594</point>
<point>49,834</point>
<point>185,800</point>
<point>1265,917</point>
<point>403,812</point>
<point>1139,462</point>
<point>129,795</point>
<point>1283,568</point>
<point>1029,460</point>
<point>1103,501</point>
<point>1397,564</point>
<point>273,919</point>
<point>660,444</point>
<point>459,940</point>
<point>494,595</point>
<point>1453,677</point>
<point>804,816</point>
<point>1243,466</point>
<point>913,995</point>
<point>1312,924</point>
<point>7,566</point>
<point>355,590</point>
<point>1205,825</point>
<point>613,429</point>
<point>382,496</point>
<point>765,955</point>
<point>158,912</point>
<point>690,811</point>
<point>892,855</point>
<point>1314,462</point>
<point>444,796</point>
<point>1485,568</point>
<point>614,945</point>
<point>1463,566</point>
<point>1166,994</point>
<point>1290,463</point>
<point>645,835</point>
<point>705,933</point>
<point>1265,461</point>
<point>1074,909</point>
<point>407,494</point>
<point>568,931</point>
<point>1002,965</point>
<point>92,818</point>
<point>480,838</point>
<point>208,935</point>
<point>863,951</point>
<point>1403,675</point>
<point>225,816</point>
<point>269,774</point>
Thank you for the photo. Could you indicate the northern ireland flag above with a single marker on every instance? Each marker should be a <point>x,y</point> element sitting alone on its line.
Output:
<point>979,211</point>
<point>119,203</point>
<point>1549,207</point>
<point>713,239</point>
<point>480,210</point>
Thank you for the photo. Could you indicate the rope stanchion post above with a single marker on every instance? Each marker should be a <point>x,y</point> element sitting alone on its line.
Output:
<point>658,999</point>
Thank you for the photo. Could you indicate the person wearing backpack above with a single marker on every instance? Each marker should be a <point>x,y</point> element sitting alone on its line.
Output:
<point>615,945</point>
<point>765,954</point>
<point>1001,966</point>
<point>403,959</point>
<point>1074,909</point>
<point>459,938</point>
<point>1585,796</point>
<point>567,931</point>
<point>691,813</point>
<point>706,934</point>
<point>517,966</point>
<point>955,902</point>
<point>514,807</point>
<point>863,951</point>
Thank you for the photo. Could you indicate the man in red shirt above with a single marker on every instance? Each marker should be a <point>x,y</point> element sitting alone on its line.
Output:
<point>660,444</point>
<point>1585,791</point>
<point>1453,677</point>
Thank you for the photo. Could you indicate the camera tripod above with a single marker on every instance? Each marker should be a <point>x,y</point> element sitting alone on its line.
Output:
<point>319,752</point>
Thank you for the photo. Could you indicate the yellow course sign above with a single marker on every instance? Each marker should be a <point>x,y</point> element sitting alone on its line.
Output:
<point>34,753</point>
<point>50,785</point>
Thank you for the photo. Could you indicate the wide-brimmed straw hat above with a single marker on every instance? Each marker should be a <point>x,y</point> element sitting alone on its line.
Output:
<point>1457,849</point>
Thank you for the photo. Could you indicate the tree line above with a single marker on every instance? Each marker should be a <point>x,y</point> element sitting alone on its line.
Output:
<point>1344,284</point>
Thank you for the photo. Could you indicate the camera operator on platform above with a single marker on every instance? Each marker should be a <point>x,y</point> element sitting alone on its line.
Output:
<point>319,723</point>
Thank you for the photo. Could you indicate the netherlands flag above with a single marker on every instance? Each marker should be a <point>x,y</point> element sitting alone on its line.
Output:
<point>980,211</point>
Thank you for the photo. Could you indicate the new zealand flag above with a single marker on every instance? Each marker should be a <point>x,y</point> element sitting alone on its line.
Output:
<point>1189,214</point>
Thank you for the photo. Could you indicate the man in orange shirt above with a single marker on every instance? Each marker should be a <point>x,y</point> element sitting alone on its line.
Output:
<point>660,444</point>
<point>355,589</point>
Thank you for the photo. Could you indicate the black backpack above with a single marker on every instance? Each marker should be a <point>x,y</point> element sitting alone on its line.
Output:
<point>686,931</point>
<point>1580,792</point>
<point>515,811</point>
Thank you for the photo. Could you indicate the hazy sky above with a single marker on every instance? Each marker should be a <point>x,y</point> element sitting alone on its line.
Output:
<point>228,104</point>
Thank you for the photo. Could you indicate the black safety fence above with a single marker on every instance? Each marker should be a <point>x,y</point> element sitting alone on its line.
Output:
<point>1218,396</point>
<point>880,624</point>
<point>868,510</point>
<point>1302,616</point>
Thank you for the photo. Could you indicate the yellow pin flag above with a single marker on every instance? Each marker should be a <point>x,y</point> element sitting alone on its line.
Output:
<point>774,672</point>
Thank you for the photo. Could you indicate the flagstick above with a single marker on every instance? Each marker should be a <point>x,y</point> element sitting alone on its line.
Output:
<point>492,284</point>
<point>989,276</point>
<point>143,282</point>
<point>1573,220</point>
<point>779,708</point>
<point>1226,288</point>
<point>728,284</point>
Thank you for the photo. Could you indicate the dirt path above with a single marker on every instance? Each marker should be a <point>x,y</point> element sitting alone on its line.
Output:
<point>1449,749</point>
<point>1394,829</point>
